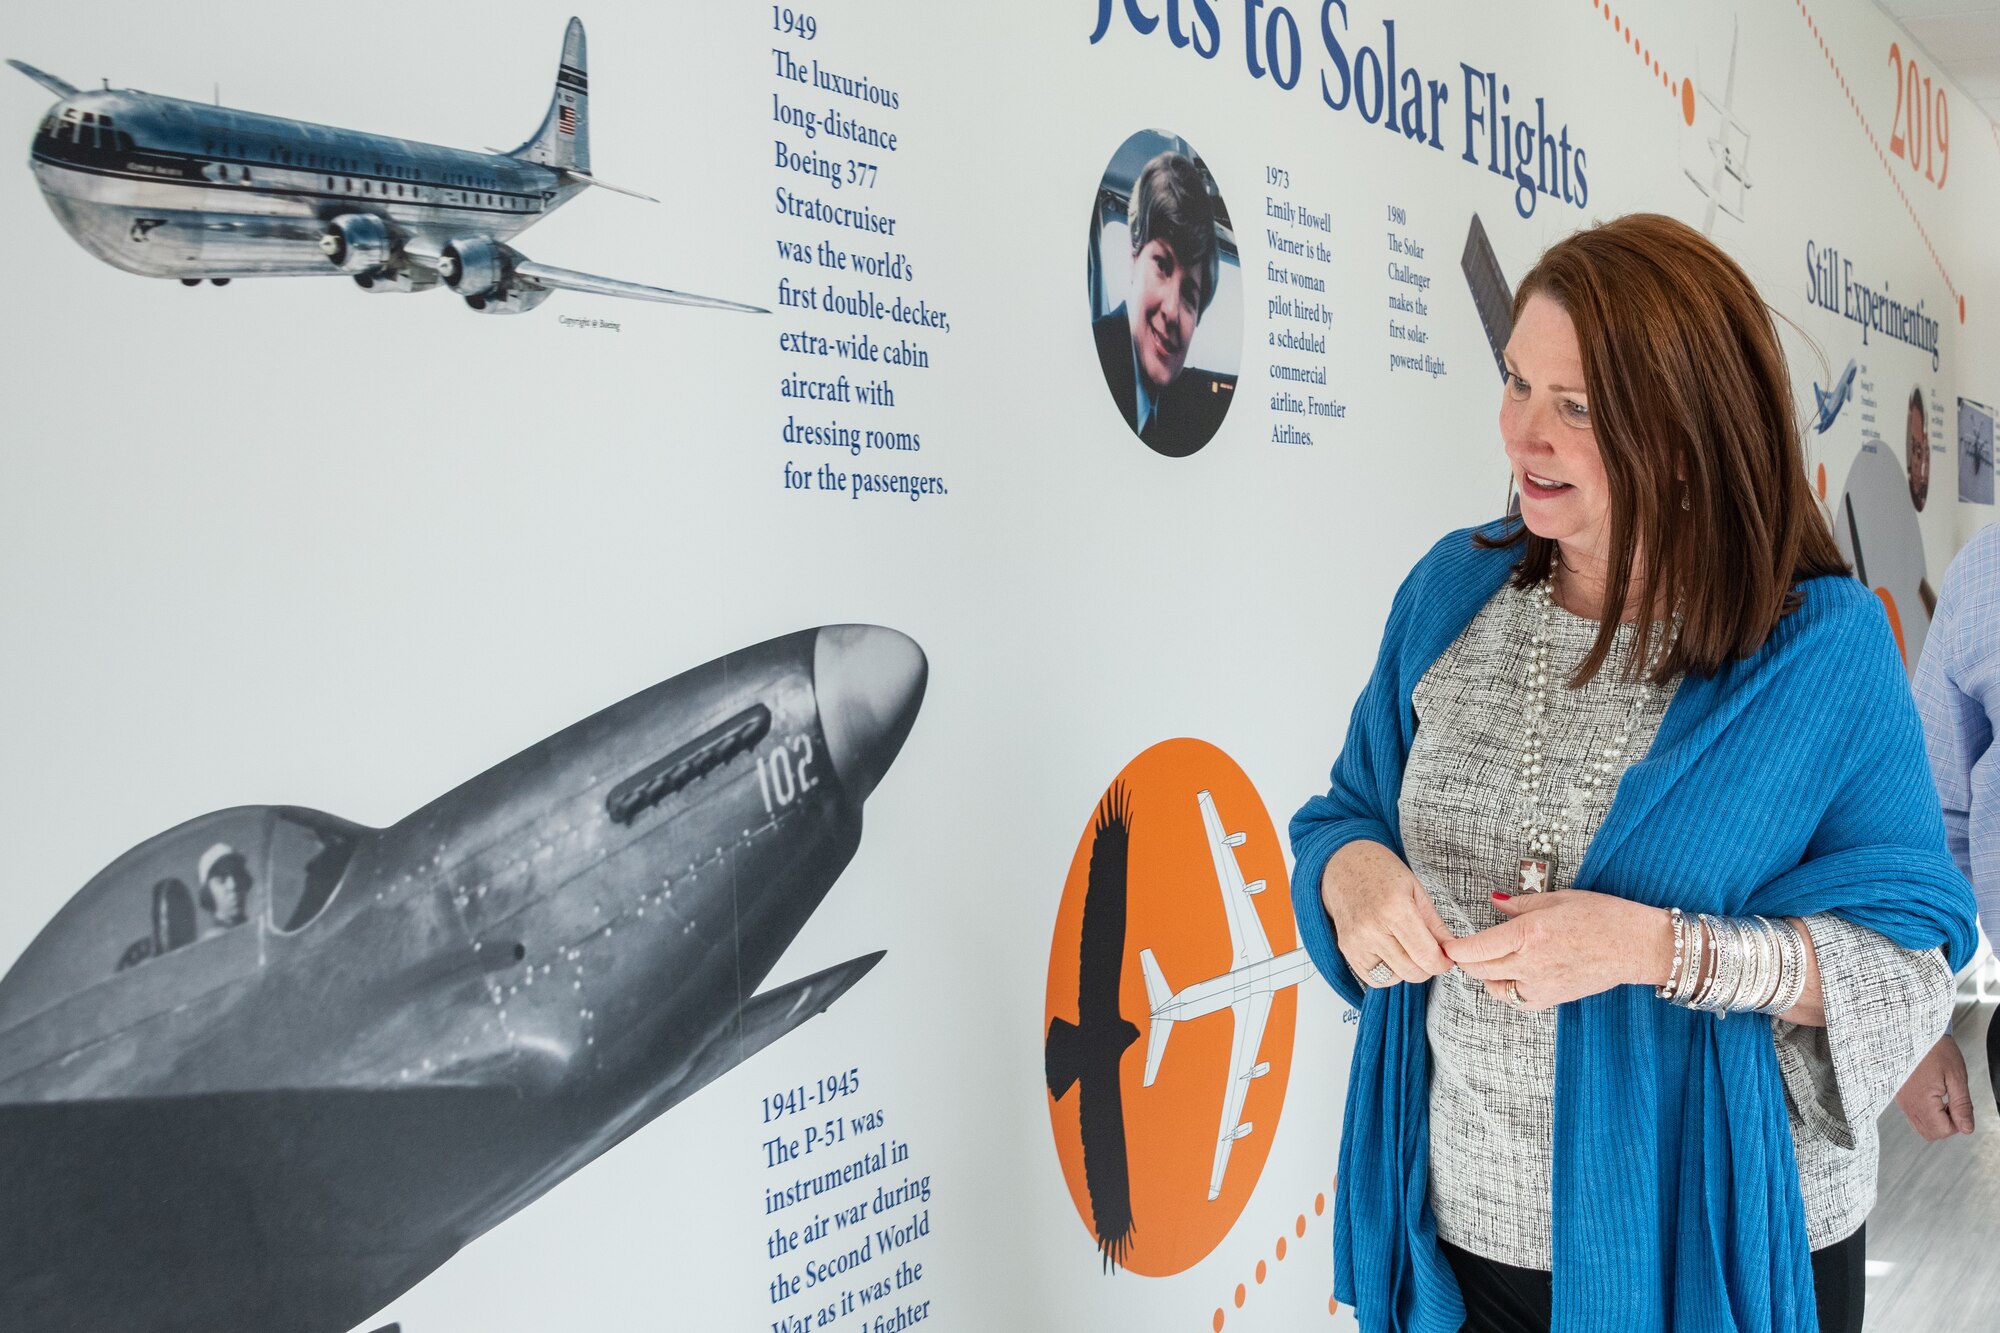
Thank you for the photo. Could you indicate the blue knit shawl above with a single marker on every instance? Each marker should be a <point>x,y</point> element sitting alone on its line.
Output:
<point>1790,783</point>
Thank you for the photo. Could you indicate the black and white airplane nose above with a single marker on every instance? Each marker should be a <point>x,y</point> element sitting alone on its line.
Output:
<point>870,683</point>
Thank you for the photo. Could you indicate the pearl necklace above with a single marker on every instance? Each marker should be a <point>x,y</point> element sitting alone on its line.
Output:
<point>1543,831</point>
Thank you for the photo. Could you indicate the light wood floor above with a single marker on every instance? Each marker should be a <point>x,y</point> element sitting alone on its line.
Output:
<point>1934,1237</point>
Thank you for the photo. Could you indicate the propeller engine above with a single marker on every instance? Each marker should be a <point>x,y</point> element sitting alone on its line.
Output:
<point>357,243</point>
<point>482,271</point>
<point>478,266</point>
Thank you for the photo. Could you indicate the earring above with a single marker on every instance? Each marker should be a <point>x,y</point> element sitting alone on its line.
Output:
<point>1686,503</point>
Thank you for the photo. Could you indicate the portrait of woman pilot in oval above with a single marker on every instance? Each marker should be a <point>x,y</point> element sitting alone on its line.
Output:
<point>1165,294</point>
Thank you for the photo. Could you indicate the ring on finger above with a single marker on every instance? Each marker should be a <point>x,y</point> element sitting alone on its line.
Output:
<point>1381,974</point>
<point>1514,996</point>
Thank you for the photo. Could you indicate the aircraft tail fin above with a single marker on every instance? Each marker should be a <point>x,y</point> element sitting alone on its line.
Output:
<point>563,141</point>
<point>1158,993</point>
<point>60,87</point>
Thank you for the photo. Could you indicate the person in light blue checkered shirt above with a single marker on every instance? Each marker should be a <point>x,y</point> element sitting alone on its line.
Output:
<point>1957,686</point>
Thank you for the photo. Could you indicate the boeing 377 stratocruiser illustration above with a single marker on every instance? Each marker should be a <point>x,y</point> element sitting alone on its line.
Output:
<point>1255,976</point>
<point>172,189</point>
<point>270,1067</point>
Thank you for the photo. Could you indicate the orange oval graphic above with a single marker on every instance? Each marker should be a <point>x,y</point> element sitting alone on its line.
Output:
<point>1171,1007</point>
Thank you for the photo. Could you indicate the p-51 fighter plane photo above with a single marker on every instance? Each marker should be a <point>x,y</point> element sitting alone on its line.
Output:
<point>270,1068</point>
<point>167,188</point>
<point>1246,989</point>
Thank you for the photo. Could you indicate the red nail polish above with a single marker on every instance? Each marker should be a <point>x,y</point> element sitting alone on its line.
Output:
<point>1502,897</point>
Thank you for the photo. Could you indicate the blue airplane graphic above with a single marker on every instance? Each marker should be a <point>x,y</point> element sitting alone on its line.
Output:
<point>1832,400</point>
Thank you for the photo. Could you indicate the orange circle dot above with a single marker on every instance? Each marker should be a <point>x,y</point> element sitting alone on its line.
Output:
<point>1261,1270</point>
<point>1332,1305</point>
<point>1299,1227</point>
<point>1618,25</point>
<point>1218,1319</point>
<point>1319,1204</point>
<point>1822,481</point>
<point>1241,1295</point>
<point>1687,100</point>
<point>1281,1242</point>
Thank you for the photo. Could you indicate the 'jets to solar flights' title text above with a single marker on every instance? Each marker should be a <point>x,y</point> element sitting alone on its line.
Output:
<point>1509,135</point>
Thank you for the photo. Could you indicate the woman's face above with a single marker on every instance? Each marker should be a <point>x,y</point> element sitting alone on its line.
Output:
<point>1551,444</point>
<point>1165,307</point>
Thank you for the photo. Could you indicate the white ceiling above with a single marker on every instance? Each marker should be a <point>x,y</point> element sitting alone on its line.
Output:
<point>1962,37</point>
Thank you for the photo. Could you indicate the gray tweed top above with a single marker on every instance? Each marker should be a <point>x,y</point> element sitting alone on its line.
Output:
<point>1492,1089</point>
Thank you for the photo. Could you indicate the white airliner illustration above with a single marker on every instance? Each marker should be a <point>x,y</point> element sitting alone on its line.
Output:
<point>1254,977</point>
<point>1830,401</point>
<point>167,188</point>
<point>1730,147</point>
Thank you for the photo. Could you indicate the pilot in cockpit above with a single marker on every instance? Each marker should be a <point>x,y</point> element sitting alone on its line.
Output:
<point>225,888</point>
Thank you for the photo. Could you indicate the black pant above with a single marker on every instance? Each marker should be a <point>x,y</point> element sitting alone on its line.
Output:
<point>1993,1056</point>
<point>1500,1298</point>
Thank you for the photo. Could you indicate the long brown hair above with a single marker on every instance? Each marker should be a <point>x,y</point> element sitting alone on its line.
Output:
<point>1690,396</point>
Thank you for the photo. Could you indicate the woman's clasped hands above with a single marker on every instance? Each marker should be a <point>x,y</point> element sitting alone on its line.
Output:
<point>1550,948</point>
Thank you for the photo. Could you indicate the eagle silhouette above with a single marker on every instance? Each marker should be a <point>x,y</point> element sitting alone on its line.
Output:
<point>1086,1053</point>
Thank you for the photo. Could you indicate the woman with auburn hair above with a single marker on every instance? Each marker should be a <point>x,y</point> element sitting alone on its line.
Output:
<point>1631,860</point>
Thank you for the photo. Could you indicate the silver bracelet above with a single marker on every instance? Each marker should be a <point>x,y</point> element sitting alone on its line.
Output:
<point>1802,950</point>
<point>1793,983</point>
<point>1667,989</point>
<point>1692,993</point>
<point>1755,964</point>
<point>1691,981</point>
<point>1746,939</point>
<point>1727,977</point>
<point>1703,996</point>
<point>1746,973</point>
<point>1763,969</point>
<point>1774,949</point>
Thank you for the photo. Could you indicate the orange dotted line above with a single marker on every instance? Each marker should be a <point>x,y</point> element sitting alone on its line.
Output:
<point>1684,87</point>
<point>1883,157</point>
<point>1283,1247</point>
